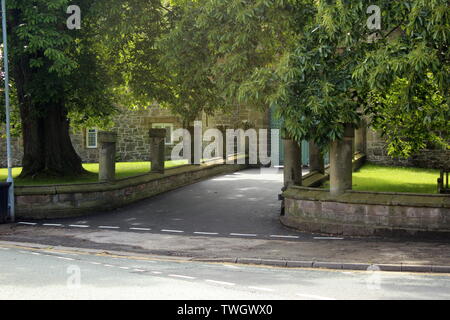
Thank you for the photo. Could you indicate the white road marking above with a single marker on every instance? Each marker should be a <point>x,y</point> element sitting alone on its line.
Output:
<point>108,227</point>
<point>180,276</point>
<point>79,226</point>
<point>287,237</point>
<point>207,233</point>
<point>328,238</point>
<point>312,296</point>
<point>64,258</point>
<point>175,231</point>
<point>124,268</point>
<point>95,263</point>
<point>138,270</point>
<point>221,282</point>
<point>28,223</point>
<point>4,248</point>
<point>243,234</point>
<point>35,253</point>
<point>141,229</point>
<point>108,265</point>
<point>260,289</point>
<point>156,272</point>
<point>52,225</point>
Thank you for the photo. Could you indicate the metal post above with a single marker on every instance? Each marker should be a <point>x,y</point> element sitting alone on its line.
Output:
<point>8,125</point>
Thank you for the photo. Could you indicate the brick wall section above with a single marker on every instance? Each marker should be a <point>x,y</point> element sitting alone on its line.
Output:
<point>365,213</point>
<point>377,153</point>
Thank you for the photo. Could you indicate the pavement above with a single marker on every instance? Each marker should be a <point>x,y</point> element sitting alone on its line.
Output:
<point>45,273</point>
<point>232,218</point>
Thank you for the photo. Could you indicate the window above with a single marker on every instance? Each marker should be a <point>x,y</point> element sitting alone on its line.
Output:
<point>91,138</point>
<point>169,130</point>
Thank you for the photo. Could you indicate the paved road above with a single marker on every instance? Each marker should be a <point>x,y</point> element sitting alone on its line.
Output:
<point>30,273</point>
<point>243,204</point>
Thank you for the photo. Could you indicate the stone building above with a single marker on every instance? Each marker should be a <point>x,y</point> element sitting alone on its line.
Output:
<point>132,128</point>
<point>132,137</point>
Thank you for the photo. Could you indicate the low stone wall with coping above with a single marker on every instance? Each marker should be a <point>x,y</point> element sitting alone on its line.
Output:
<point>60,201</point>
<point>357,213</point>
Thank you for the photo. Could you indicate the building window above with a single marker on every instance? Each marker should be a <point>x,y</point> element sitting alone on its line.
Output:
<point>169,131</point>
<point>91,138</point>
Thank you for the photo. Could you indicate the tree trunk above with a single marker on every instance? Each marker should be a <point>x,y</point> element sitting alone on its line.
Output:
<point>48,150</point>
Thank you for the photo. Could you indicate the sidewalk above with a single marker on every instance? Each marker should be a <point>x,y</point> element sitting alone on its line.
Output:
<point>353,254</point>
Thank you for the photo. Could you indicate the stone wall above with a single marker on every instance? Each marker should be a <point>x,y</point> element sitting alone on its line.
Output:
<point>377,153</point>
<point>366,213</point>
<point>50,202</point>
<point>132,132</point>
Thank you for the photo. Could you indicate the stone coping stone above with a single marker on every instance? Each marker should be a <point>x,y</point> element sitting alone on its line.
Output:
<point>374,198</point>
<point>107,137</point>
<point>157,133</point>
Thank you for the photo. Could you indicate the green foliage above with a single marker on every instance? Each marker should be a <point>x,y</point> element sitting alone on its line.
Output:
<point>63,66</point>
<point>425,125</point>
<point>317,63</point>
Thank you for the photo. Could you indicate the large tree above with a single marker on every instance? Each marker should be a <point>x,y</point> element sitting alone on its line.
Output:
<point>319,64</point>
<point>57,71</point>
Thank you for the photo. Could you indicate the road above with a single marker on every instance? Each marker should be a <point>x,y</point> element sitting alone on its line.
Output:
<point>32,273</point>
<point>243,204</point>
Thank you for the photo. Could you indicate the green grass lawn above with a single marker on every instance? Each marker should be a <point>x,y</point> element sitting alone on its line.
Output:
<point>123,170</point>
<point>394,179</point>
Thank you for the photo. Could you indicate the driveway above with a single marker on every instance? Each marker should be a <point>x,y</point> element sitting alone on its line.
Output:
<point>243,204</point>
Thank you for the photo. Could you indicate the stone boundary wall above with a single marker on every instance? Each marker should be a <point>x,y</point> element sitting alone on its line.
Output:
<point>60,201</point>
<point>357,213</point>
<point>376,151</point>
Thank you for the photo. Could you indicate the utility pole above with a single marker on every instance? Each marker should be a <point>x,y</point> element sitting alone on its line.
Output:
<point>7,107</point>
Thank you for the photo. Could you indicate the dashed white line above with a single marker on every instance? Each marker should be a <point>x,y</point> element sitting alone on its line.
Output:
<point>328,238</point>
<point>312,296</point>
<point>174,231</point>
<point>4,248</point>
<point>181,277</point>
<point>108,227</point>
<point>64,258</point>
<point>261,289</point>
<point>243,234</point>
<point>221,282</point>
<point>28,223</point>
<point>138,270</point>
<point>124,268</point>
<point>156,272</point>
<point>78,226</point>
<point>52,224</point>
<point>284,237</point>
<point>206,233</point>
<point>108,265</point>
<point>141,229</point>
<point>95,263</point>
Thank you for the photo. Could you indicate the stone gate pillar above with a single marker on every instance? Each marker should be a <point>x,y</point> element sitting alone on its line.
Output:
<point>107,156</point>
<point>292,162</point>
<point>223,145</point>
<point>361,137</point>
<point>341,156</point>
<point>316,162</point>
<point>157,149</point>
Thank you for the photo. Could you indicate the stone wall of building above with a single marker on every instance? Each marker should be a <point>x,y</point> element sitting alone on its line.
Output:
<point>377,153</point>
<point>132,132</point>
